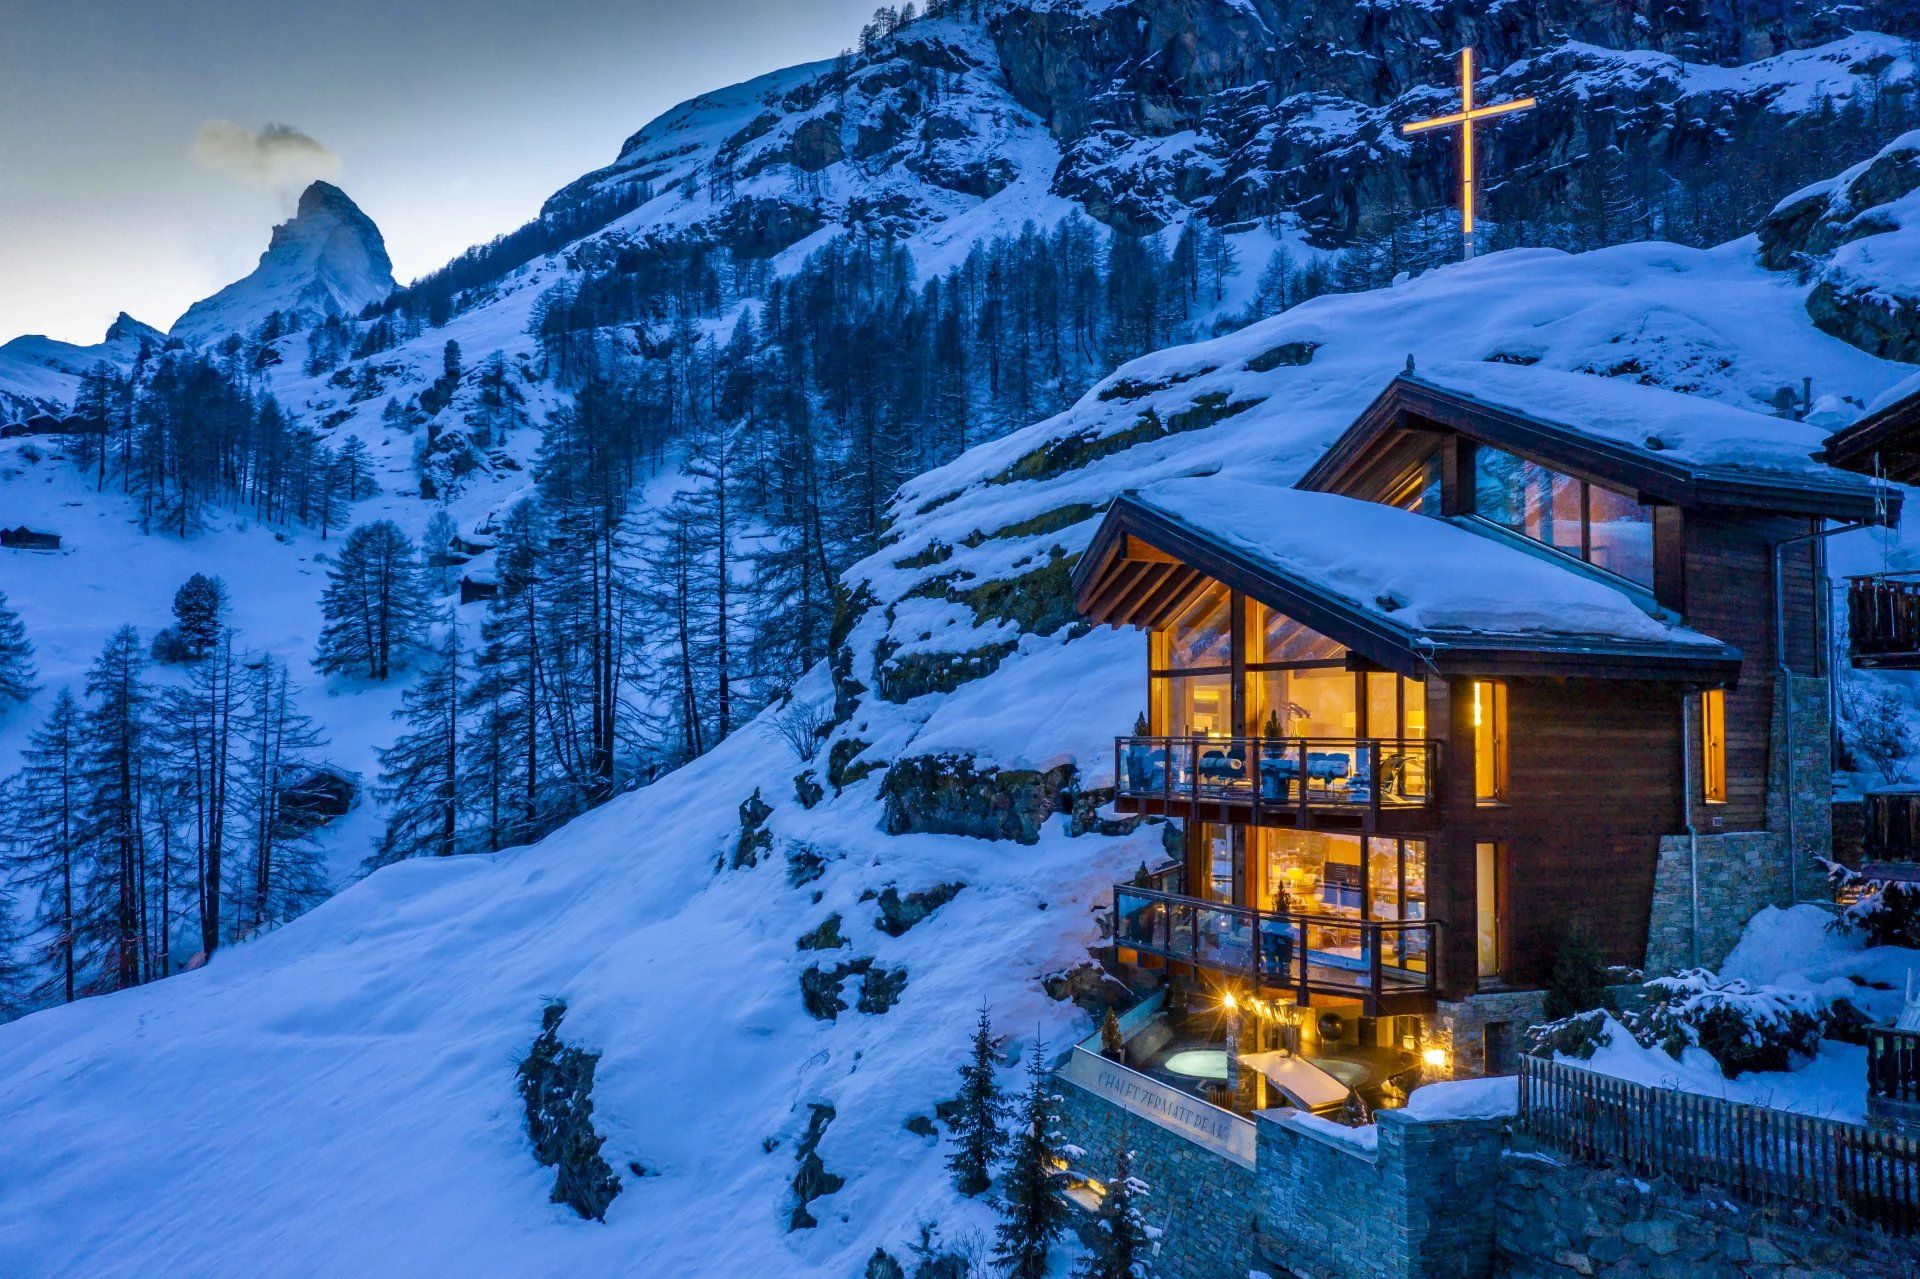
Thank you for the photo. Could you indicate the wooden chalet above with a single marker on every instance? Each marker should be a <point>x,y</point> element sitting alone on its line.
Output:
<point>1883,609</point>
<point>27,539</point>
<point>1440,703</point>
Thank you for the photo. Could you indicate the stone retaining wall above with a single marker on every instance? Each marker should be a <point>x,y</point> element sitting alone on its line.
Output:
<point>1203,1204</point>
<point>1417,1206</point>
<point>1559,1220</point>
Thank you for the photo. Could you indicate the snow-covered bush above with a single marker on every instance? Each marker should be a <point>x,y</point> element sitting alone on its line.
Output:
<point>1876,725</point>
<point>1578,1036</point>
<point>1740,1025</point>
<point>1887,912</point>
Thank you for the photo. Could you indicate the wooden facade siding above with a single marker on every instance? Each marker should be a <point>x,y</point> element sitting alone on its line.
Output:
<point>1729,573</point>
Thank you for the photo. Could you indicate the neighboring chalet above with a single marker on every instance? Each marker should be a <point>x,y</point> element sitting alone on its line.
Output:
<point>1524,653</point>
<point>1883,623</point>
<point>27,539</point>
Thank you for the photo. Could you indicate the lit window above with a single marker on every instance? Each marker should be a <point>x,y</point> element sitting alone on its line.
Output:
<point>1713,746</point>
<point>1489,741</point>
<point>1487,893</point>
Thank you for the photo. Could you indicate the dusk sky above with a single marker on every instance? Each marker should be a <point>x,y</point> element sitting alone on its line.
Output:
<point>126,177</point>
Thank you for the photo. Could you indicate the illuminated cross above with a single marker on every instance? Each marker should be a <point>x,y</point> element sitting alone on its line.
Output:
<point>1465,117</point>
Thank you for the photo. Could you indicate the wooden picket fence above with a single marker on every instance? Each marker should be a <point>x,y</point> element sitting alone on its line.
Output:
<point>1755,1153</point>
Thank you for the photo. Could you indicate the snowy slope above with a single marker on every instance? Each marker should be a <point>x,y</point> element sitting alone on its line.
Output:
<point>40,374</point>
<point>327,259</point>
<point>342,1090</point>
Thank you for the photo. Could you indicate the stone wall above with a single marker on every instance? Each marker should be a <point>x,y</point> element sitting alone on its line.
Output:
<point>1459,1027</point>
<point>1203,1204</point>
<point>1418,1206</point>
<point>1558,1220</point>
<point>1742,871</point>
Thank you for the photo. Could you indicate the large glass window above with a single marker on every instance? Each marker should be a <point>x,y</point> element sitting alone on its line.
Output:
<point>1620,534</point>
<point>1202,634</point>
<point>1488,868</point>
<point>1608,529</point>
<point>1196,705</point>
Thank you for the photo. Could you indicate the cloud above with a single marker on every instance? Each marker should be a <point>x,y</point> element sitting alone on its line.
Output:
<point>278,156</point>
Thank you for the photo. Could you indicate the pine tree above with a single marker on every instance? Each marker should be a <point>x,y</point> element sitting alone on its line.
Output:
<point>199,612</point>
<point>1032,1209</point>
<point>419,773</point>
<point>16,656</point>
<point>1122,1240</point>
<point>374,603</point>
<point>980,1109</point>
<point>44,822</point>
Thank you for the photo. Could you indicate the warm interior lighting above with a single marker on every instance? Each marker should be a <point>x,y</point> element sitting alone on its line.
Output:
<point>1477,686</point>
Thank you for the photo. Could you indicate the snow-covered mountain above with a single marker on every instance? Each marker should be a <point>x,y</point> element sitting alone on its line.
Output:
<point>40,374</point>
<point>755,1001</point>
<point>327,259</point>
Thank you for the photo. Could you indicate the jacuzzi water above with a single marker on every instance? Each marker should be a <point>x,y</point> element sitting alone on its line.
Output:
<point>1198,1063</point>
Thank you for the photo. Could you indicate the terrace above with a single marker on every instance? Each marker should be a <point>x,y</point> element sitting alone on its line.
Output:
<point>1369,784</point>
<point>1883,620</point>
<point>1387,965</point>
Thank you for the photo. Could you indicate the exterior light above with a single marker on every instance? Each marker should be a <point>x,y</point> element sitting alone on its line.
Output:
<point>1228,1002</point>
<point>1435,1057</point>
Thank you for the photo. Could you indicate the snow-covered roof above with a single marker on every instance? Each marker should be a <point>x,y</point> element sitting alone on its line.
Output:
<point>1660,428</point>
<point>1426,585</point>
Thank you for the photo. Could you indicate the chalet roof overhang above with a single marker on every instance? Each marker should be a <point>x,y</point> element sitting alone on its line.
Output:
<point>1412,405</point>
<point>1145,565</point>
<point>1885,443</point>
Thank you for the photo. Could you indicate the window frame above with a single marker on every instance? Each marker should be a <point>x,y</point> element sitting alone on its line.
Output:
<point>1713,746</point>
<point>1492,764</point>
<point>1586,487</point>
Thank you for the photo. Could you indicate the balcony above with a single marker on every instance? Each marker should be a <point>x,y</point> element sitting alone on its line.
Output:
<point>1365,784</point>
<point>1883,621</point>
<point>1388,965</point>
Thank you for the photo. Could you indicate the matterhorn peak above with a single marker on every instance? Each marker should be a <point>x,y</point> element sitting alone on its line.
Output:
<point>327,259</point>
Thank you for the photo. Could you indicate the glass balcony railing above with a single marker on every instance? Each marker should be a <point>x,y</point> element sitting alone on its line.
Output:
<point>1274,775</point>
<point>1328,954</point>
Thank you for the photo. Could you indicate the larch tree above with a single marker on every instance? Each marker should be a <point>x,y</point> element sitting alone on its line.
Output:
<point>45,819</point>
<point>116,737</point>
<point>283,872</point>
<point>17,673</point>
<point>374,604</point>
<point>196,735</point>
<point>420,772</point>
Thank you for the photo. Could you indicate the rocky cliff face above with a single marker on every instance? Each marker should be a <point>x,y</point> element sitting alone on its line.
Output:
<point>1143,113</point>
<point>1858,238</point>
<point>1248,107</point>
